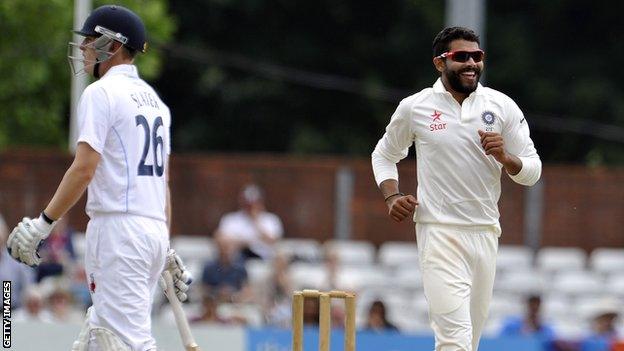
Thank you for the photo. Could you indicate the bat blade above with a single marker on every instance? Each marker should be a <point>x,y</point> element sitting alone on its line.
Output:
<point>180,317</point>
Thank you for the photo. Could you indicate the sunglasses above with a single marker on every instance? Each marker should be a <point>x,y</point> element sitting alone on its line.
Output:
<point>464,56</point>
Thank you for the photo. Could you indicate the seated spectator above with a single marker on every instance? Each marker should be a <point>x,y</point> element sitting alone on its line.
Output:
<point>311,312</point>
<point>337,312</point>
<point>252,229</point>
<point>57,252</point>
<point>209,312</point>
<point>60,300</point>
<point>80,287</point>
<point>279,293</point>
<point>604,333</point>
<point>226,277</point>
<point>33,310</point>
<point>377,320</point>
<point>331,262</point>
<point>20,275</point>
<point>531,324</point>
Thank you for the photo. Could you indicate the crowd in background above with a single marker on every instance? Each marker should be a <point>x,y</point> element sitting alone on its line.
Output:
<point>56,291</point>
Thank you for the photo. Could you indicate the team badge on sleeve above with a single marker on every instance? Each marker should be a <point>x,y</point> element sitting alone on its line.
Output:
<point>488,117</point>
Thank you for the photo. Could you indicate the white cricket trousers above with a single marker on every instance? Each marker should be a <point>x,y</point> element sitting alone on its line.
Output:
<point>124,257</point>
<point>458,265</point>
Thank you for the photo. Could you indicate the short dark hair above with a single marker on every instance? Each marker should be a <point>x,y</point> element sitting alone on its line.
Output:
<point>447,35</point>
<point>132,53</point>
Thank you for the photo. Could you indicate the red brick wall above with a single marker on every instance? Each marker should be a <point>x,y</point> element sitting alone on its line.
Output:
<point>583,207</point>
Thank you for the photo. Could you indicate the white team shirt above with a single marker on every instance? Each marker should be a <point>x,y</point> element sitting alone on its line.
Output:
<point>457,183</point>
<point>240,226</point>
<point>122,118</point>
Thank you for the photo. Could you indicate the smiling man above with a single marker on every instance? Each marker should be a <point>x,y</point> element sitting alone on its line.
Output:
<point>464,135</point>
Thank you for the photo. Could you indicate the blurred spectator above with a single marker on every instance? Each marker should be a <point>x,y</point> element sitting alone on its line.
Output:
<point>280,289</point>
<point>57,252</point>
<point>209,311</point>
<point>226,277</point>
<point>531,324</point>
<point>60,301</point>
<point>251,228</point>
<point>377,320</point>
<point>604,335</point>
<point>20,275</point>
<point>281,284</point>
<point>311,312</point>
<point>80,286</point>
<point>33,310</point>
<point>337,314</point>
<point>332,262</point>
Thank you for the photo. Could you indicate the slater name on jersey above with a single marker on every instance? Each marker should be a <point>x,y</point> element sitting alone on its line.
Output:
<point>144,98</point>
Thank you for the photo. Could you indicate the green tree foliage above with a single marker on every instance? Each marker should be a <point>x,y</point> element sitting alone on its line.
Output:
<point>557,59</point>
<point>324,76</point>
<point>35,84</point>
<point>222,104</point>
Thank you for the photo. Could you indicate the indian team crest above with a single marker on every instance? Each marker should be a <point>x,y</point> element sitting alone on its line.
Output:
<point>488,118</point>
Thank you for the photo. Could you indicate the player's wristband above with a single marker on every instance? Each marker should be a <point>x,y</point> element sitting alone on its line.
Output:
<point>46,218</point>
<point>393,195</point>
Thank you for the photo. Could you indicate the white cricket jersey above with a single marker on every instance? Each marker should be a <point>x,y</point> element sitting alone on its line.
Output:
<point>123,119</point>
<point>457,183</point>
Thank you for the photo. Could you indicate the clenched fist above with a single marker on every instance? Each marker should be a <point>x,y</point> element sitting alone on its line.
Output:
<point>494,145</point>
<point>401,206</point>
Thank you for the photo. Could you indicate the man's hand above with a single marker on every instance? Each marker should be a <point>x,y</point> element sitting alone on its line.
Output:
<point>25,239</point>
<point>182,278</point>
<point>399,207</point>
<point>494,145</point>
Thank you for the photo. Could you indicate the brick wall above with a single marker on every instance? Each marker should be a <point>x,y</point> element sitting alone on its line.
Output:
<point>583,207</point>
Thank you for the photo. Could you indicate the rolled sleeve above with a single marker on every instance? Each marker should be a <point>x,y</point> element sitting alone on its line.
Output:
<point>530,172</point>
<point>518,142</point>
<point>383,168</point>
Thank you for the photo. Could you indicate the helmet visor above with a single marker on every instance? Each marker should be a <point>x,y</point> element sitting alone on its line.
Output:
<point>82,57</point>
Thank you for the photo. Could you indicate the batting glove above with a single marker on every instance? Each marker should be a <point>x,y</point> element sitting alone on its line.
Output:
<point>26,238</point>
<point>182,278</point>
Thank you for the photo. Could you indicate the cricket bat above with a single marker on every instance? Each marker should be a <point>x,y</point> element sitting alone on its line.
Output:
<point>180,318</point>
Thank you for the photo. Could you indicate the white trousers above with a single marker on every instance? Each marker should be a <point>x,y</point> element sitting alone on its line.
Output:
<point>458,265</point>
<point>124,257</point>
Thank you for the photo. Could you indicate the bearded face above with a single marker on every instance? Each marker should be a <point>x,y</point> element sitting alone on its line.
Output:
<point>463,80</point>
<point>461,66</point>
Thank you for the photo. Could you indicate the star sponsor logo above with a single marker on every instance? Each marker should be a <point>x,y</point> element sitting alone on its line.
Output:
<point>436,116</point>
<point>436,121</point>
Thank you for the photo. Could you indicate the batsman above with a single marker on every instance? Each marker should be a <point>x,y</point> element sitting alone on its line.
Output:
<point>464,134</point>
<point>122,158</point>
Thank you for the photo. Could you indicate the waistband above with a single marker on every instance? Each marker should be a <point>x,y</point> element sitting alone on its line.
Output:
<point>108,215</point>
<point>495,229</point>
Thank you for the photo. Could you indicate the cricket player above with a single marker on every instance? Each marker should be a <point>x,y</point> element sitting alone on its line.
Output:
<point>122,156</point>
<point>464,134</point>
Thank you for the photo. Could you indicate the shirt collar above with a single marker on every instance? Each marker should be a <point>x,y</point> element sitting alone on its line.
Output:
<point>128,70</point>
<point>439,88</point>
